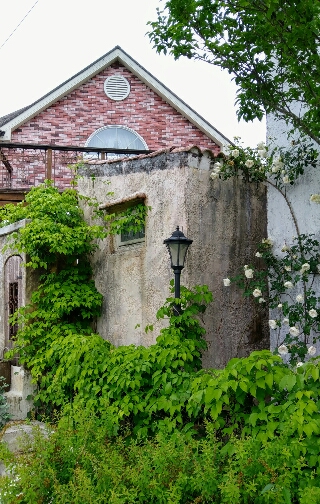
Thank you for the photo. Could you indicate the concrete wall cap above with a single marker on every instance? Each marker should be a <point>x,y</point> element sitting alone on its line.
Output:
<point>14,227</point>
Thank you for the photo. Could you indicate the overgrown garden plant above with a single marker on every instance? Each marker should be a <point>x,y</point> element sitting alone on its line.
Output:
<point>285,279</point>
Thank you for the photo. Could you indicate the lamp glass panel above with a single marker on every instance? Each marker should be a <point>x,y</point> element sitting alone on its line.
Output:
<point>182,254</point>
<point>178,253</point>
<point>174,251</point>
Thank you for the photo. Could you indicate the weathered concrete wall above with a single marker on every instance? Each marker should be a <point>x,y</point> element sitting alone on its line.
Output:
<point>225,221</point>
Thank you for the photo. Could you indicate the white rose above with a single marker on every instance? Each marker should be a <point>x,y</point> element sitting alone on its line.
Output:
<point>262,153</point>
<point>280,305</point>
<point>217,166</point>
<point>305,267</point>
<point>300,298</point>
<point>294,331</point>
<point>285,321</point>
<point>288,285</point>
<point>249,273</point>
<point>313,313</point>
<point>299,364</point>
<point>226,282</point>
<point>261,145</point>
<point>315,198</point>
<point>262,300</point>
<point>258,254</point>
<point>249,163</point>
<point>257,293</point>
<point>283,350</point>
<point>235,153</point>
<point>214,175</point>
<point>273,324</point>
<point>286,179</point>
<point>312,350</point>
<point>287,268</point>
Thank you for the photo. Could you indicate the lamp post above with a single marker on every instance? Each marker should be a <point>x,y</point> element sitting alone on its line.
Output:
<point>177,246</point>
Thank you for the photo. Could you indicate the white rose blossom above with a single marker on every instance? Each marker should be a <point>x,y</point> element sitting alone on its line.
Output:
<point>217,166</point>
<point>267,241</point>
<point>294,331</point>
<point>287,268</point>
<point>285,248</point>
<point>235,153</point>
<point>305,267</point>
<point>312,350</point>
<point>283,350</point>
<point>214,175</point>
<point>262,153</point>
<point>285,321</point>
<point>280,305</point>
<point>262,300</point>
<point>300,298</point>
<point>258,254</point>
<point>249,163</point>
<point>257,293</point>
<point>299,364</point>
<point>273,324</point>
<point>313,313</point>
<point>285,179</point>
<point>226,282</point>
<point>261,145</point>
<point>288,285</point>
<point>248,273</point>
<point>315,198</point>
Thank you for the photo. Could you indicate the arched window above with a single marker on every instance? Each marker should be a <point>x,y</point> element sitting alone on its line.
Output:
<point>117,137</point>
<point>13,295</point>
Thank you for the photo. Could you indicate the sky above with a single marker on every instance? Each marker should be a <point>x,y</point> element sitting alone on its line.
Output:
<point>59,38</point>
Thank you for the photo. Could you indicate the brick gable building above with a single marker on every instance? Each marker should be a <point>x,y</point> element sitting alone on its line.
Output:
<point>112,103</point>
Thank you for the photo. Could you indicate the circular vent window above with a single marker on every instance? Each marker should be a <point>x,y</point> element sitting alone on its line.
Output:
<point>116,87</point>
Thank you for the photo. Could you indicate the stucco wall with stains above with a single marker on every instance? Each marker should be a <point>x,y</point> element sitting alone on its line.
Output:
<point>225,220</point>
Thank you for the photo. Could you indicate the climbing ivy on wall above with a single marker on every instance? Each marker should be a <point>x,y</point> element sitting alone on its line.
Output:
<point>58,243</point>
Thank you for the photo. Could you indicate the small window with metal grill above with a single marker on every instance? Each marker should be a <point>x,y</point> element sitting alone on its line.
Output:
<point>132,237</point>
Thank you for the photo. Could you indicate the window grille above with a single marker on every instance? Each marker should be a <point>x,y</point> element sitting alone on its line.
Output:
<point>13,306</point>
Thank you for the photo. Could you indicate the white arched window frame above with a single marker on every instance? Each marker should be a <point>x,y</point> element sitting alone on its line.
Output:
<point>117,137</point>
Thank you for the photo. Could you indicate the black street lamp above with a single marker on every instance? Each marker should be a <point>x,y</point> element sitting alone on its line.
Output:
<point>177,246</point>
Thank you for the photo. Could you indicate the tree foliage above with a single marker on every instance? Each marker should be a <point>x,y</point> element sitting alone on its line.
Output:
<point>271,47</point>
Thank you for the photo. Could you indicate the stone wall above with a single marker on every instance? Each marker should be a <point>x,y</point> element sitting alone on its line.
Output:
<point>225,220</point>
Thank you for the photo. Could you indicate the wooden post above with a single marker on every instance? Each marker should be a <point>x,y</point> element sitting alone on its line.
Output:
<point>49,165</point>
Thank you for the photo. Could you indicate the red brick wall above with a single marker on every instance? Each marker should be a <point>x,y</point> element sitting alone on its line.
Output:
<point>71,120</point>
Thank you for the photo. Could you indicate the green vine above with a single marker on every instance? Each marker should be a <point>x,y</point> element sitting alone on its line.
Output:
<point>58,244</point>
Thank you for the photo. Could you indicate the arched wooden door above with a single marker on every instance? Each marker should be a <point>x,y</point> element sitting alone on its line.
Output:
<point>13,295</point>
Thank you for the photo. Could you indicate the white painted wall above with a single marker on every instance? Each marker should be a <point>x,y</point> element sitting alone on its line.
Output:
<point>280,223</point>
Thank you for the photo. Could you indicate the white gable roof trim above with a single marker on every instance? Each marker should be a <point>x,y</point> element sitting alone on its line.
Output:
<point>116,54</point>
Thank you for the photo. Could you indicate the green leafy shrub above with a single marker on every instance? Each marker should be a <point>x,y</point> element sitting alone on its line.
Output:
<point>81,464</point>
